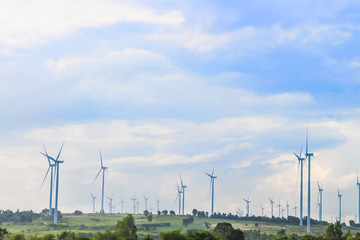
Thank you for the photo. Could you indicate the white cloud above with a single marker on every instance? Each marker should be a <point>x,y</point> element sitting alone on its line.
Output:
<point>30,23</point>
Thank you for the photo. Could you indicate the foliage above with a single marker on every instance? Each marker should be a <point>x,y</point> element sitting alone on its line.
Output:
<point>78,212</point>
<point>146,212</point>
<point>227,232</point>
<point>173,235</point>
<point>333,232</point>
<point>149,218</point>
<point>187,221</point>
<point>194,212</point>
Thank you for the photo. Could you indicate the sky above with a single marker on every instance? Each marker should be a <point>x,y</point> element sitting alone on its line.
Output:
<point>178,88</point>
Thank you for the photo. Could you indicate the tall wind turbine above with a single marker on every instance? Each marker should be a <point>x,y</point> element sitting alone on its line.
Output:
<point>134,199</point>
<point>301,163</point>
<point>57,161</point>
<point>287,209</point>
<point>179,192</point>
<point>103,169</point>
<point>158,205</point>
<point>212,177</point>
<point>93,201</point>
<point>110,203</point>
<point>279,205</point>
<point>272,207</point>
<point>339,196</point>
<point>146,200</point>
<point>247,206</point>
<point>295,209</point>
<point>358,185</point>
<point>51,166</point>
<point>183,194</point>
<point>320,202</point>
<point>308,155</point>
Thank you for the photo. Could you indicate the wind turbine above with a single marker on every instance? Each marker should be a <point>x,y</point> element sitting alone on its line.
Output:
<point>145,202</point>
<point>122,206</point>
<point>247,206</point>
<point>158,205</point>
<point>110,203</point>
<point>272,207</point>
<point>262,210</point>
<point>320,201</point>
<point>57,161</point>
<point>358,185</point>
<point>308,155</point>
<point>51,166</point>
<point>339,196</point>
<point>183,194</point>
<point>137,205</point>
<point>287,209</point>
<point>93,201</point>
<point>212,177</point>
<point>301,163</point>
<point>134,199</point>
<point>279,205</point>
<point>103,169</point>
<point>295,209</point>
<point>179,192</point>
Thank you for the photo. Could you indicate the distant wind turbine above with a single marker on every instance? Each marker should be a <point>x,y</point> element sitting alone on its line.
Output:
<point>93,201</point>
<point>301,163</point>
<point>103,169</point>
<point>110,203</point>
<point>262,210</point>
<point>57,161</point>
<point>287,209</point>
<point>178,196</point>
<point>146,200</point>
<point>279,205</point>
<point>212,182</point>
<point>308,155</point>
<point>295,210</point>
<point>183,195</point>
<point>134,199</point>
<point>272,207</point>
<point>51,166</point>
<point>320,201</point>
<point>158,205</point>
<point>247,206</point>
<point>339,196</point>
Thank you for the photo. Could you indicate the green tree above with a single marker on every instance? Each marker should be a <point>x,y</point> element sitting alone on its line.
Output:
<point>174,235</point>
<point>203,235</point>
<point>149,218</point>
<point>227,232</point>
<point>333,232</point>
<point>17,236</point>
<point>194,212</point>
<point>126,228</point>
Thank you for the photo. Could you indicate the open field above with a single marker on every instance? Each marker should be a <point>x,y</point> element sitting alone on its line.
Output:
<point>89,224</point>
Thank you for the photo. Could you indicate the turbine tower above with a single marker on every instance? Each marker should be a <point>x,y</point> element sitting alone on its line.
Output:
<point>272,207</point>
<point>51,166</point>
<point>179,192</point>
<point>339,195</point>
<point>145,203</point>
<point>308,155</point>
<point>93,201</point>
<point>122,206</point>
<point>183,194</point>
<point>134,199</point>
<point>320,202</point>
<point>301,163</point>
<point>262,210</point>
<point>287,209</point>
<point>358,185</point>
<point>110,203</point>
<point>212,178</point>
<point>57,161</point>
<point>247,206</point>
<point>295,209</point>
<point>158,205</point>
<point>279,205</point>
<point>103,169</point>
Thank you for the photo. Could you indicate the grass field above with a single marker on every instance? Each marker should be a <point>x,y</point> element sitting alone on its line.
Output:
<point>89,224</point>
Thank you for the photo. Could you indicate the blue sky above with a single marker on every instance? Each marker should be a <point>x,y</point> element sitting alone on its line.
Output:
<point>173,88</point>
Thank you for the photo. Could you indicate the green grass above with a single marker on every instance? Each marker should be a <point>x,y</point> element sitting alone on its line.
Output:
<point>92,223</point>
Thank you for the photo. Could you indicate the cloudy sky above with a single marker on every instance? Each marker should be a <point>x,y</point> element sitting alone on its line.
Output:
<point>170,88</point>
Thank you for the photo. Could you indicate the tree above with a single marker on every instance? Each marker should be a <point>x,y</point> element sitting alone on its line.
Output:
<point>172,212</point>
<point>194,211</point>
<point>149,218</point>
<point>227,232</point>
<point>174,235</point>
<point>165,212</point>
<point>126,228</point>
<point>146,212</point>
<point>78,212</point>
<point>203,235</point>
<point>333,232</point>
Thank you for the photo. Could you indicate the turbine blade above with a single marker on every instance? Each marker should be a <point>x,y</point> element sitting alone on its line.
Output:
<point>213,170</point>
<point>101,158</point>
<point>45,177</point>
<point>296,156</point>
<point>307,136</point>
<point>207,174</point>
<point>48,156</point>
<point>57,158</point>
<point>301,147</point>
<point>97,176</point>
<point>182,185</point>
